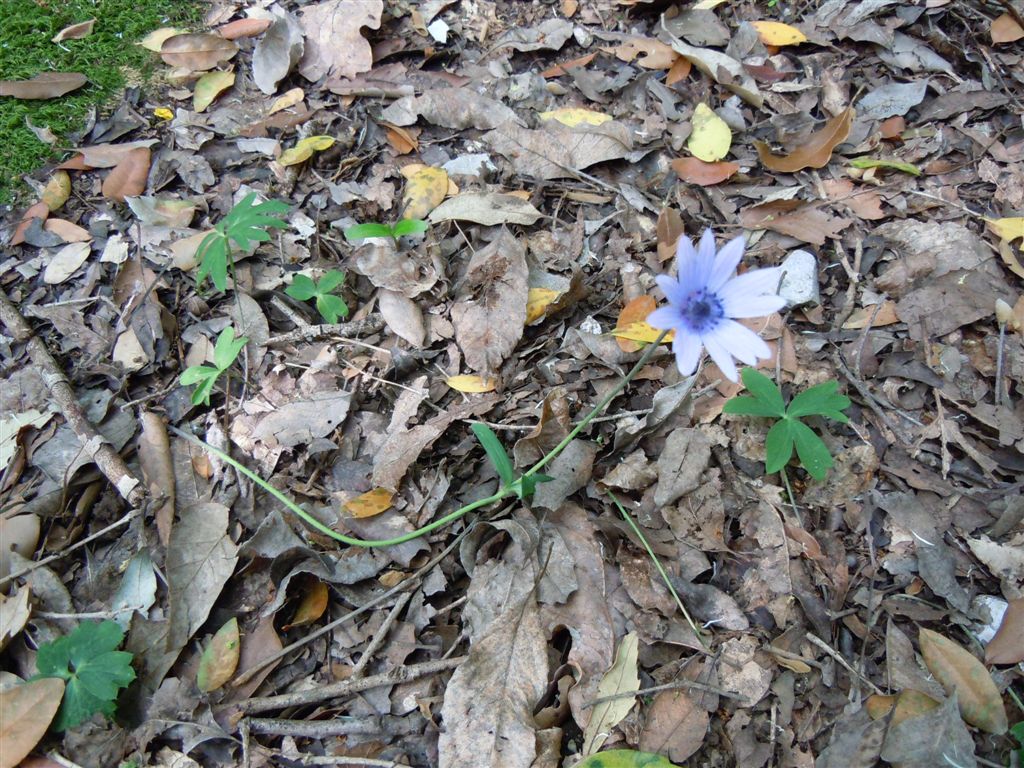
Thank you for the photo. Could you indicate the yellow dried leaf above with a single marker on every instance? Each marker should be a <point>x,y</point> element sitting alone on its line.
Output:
<point>471,383</point>
<point>311,606</point>
<point>209,87</point>
<point>426,189</point>
<point>794,665</point>
<point>370,504</point>
<point>287,99</point>
<point>642,332</point>
<point>572,116</point>
<point>163,113</point>
<point>778,34</point>
<point>537,302</point>
<point>220,658</point>
<point>1010,258</point>
<point>304,149</point>
<point>958,670</point>
<point>154,41</point>
<point>711,137</point>
<point>1008,229</point>
<point>57,190</point>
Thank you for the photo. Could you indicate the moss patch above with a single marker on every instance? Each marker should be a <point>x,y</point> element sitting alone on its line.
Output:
<point>105,57</point>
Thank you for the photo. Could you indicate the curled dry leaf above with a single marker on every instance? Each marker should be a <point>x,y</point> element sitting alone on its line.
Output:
<point>46,85</point>
<point>313,603</point>
<point>197,51</point>
<point>277,53</point>
<point>813,153</point>
<point>74,31</point>
<point>723,69</point>
<point>129,176</point>
<point>959,672</point>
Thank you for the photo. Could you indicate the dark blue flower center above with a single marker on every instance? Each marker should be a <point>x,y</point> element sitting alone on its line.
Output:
<point>702,310</point>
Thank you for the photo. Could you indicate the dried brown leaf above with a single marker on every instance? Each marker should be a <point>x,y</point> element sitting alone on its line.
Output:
<point>26,710</point>
<point>334,42</point>
<point>239,28</point>
<point>813,153</point>
<point>937,737</point>
<point>104,155</point>
<point>197,51</point>
<point>220,658</point>
<point>694,171</point>
<point>45,85</point>
<point>128,178</point>
<point>1005,29</point>
<point>1007,647</point>
<point>962,674</point>
<point>158,471</point>
<point>490,311</point>
<point>74,31</point>
<point>38,211</point>
<point>674,725</point>
<point>557,151</point>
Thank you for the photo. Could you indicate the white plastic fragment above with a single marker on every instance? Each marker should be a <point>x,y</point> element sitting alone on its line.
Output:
<point>800,279</point>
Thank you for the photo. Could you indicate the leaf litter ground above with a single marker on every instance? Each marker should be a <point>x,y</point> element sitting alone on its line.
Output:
<point>558,151</point>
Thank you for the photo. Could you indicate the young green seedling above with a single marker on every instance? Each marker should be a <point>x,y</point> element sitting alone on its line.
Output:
<point>246,223</point>
<point>766,400</point>
<point>329,306</point>
<point>205,376</point>
<point>522,486</point>
<point>394,231</point>
<point>93,670</point>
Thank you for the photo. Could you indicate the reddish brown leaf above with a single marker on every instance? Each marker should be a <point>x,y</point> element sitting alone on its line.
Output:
<point>958,670</point>
<point>45,85</point>
<point>25,713</point>
<point>815,152</point>
<point>103,155</point>
<point>635,311</point>
<point>233,30</point>
<point>1006,30</point>
<point>38,211</point>
<point>675,725</point>
<point>563,69</point>
<point>680,70</point>
<point>893,127</point>
<point>1007,647</point>
<point>794,218</point>
<point>694,171</point>
<point>128,177</point>
<point>197,51</point>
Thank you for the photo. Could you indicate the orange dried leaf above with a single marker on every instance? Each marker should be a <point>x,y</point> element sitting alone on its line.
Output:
<point>370,503</point>
<point>1006,30</point>
<point>653,54</point>
<point>233,30</point>
<point>815,152</point>
<point>679,70</point>
<point>635,311</point>
<point>128,178</point>
<point>886,315</point>
<point>537,302</point>
<point>911,703</point>
<point>26,711</point>
<point>694,171</point>
<point>958,670</point>
<point>312,605</point>
<point>471,383</point>
<point>39,211</point>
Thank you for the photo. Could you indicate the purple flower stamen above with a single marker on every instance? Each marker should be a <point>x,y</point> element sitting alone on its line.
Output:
<point>705,299</point>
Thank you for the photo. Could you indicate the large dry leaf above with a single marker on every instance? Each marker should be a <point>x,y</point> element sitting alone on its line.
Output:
<point>14,613</point>
<point>74,31</point>
<point>938,737</point>
<point>403,316</point>
<point>621,679</point>
<point>409,273</point>
<point>490,312</point>
<point>487,208</point>
<point>456,108</point>
<point>813,153</point>
<point>220,658</point>
<point>277,53</point>
<point>334,44</point>
<point>129,176</point>
<point>1007,647</point>
<point>65,262</point>
<point>489,702</point>
<point>209,87</point>
<point>45,85</point>
<point>796,219</point>
<point>200,559</point>
<point>557,151</point>
<point>104,155</point>
<point>674,725</point>
<point>721,68</point>
<point>959,672</point>
<point>26,710</point>
<point>158,471</point>
<point>197,51</point>
<point>694,171</point>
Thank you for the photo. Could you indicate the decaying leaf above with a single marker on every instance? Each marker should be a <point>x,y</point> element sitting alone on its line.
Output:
<point>424,191</point>
<point>933,738</point>
<point>490,311</point>
<point>371,503</point>
<point>277,53</point>
<point>304,149</point>
<point>648,52</point>
<point>1005,29</point>
<point>487,208</point>
<point>57,191</point>
<point>26,711</point>
<point>813,153</point>
<point>334,42</point>
<point>220,658</point>
<point>573,116</point>
<point>128,178</point>
<point>1007,647</point>
<point>695,171</point>
<point>457,108</point>
<point>723,69</point>
<point>197,51</point>
<point>557,150</point>
<point>209,87</point>
<point>778,34</point>
<point>711,137</point>
<point>961,673</point>
<point>46,85</point>
<point>471,384</point>
<point>621,679</point>
<point>74,31</point>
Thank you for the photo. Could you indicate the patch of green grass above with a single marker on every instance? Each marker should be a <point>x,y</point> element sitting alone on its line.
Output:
<point>108,57</point>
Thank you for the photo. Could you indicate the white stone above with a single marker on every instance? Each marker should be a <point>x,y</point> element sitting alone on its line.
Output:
<point>469,165</point>
<point>800,280</point>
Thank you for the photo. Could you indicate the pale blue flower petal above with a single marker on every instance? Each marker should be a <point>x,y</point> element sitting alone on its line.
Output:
<point>757,282</point>
<point>664,318</point>
<point>685,258</point>
<point>671,288</point>
<point>740,342</point>
<point>726,262</point>
<point>721,357</point>
<point>752,306</point>
<point>705,261</point>
<point>687,347</point>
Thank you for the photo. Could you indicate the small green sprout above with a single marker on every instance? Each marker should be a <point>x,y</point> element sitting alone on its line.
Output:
<point>246,223</point>
<point>789,431</point>
<point>329,306</point>
<point>522,486</point>
<point>224,354</point>
<point>88,661</point>
<point>394,231</point>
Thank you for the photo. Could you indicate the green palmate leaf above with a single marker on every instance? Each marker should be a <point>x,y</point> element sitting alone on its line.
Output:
<point>227,348</point>
<point>332,279</point>
<point>363,231</point>
<point>331,307</point>
<point>408,227</point>
<point>203,375</point>
<point>301,288</point>
<point>750,406</point>
<point>213,261</point>
<point>811,450</point>
<point>822,399</point>
<point>765,390</point>
<point>93,670</point>
<point>778,445</point>
<point>247,222</point>
<point>495,452</point>
<point>625,758</point>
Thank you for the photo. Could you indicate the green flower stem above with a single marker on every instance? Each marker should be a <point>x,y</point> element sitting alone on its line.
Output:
<point>451,517</point>
<point>657,564</point>
<point>648,353</point>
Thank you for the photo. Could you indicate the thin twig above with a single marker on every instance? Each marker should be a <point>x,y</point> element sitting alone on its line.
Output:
<point>380,635</point>
<point>336,726</point>
<point>368,325</point>
<point>842,662</point>
<point>673,686</point>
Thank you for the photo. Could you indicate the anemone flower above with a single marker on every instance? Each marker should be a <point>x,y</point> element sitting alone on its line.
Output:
<point>705,300</point>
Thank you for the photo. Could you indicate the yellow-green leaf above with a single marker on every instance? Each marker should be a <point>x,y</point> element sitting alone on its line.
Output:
<point>424,191</point>
<point>154,41</point>
<point>471,383</point>
<point>778,34</point>
<point>220,659</point>
<point>711,137</point>
<point>958,670</point>
<point>57,191</point>
<point>537,302</point>
<point>896,165</point>
<point>1008,229</point>
<point>573,116</point>
<point>622,678</point>
<point>209,87</point>
<point>163,113</point>
<point>304,149</point>
<point>641,332</point>
<point>625,758</point>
